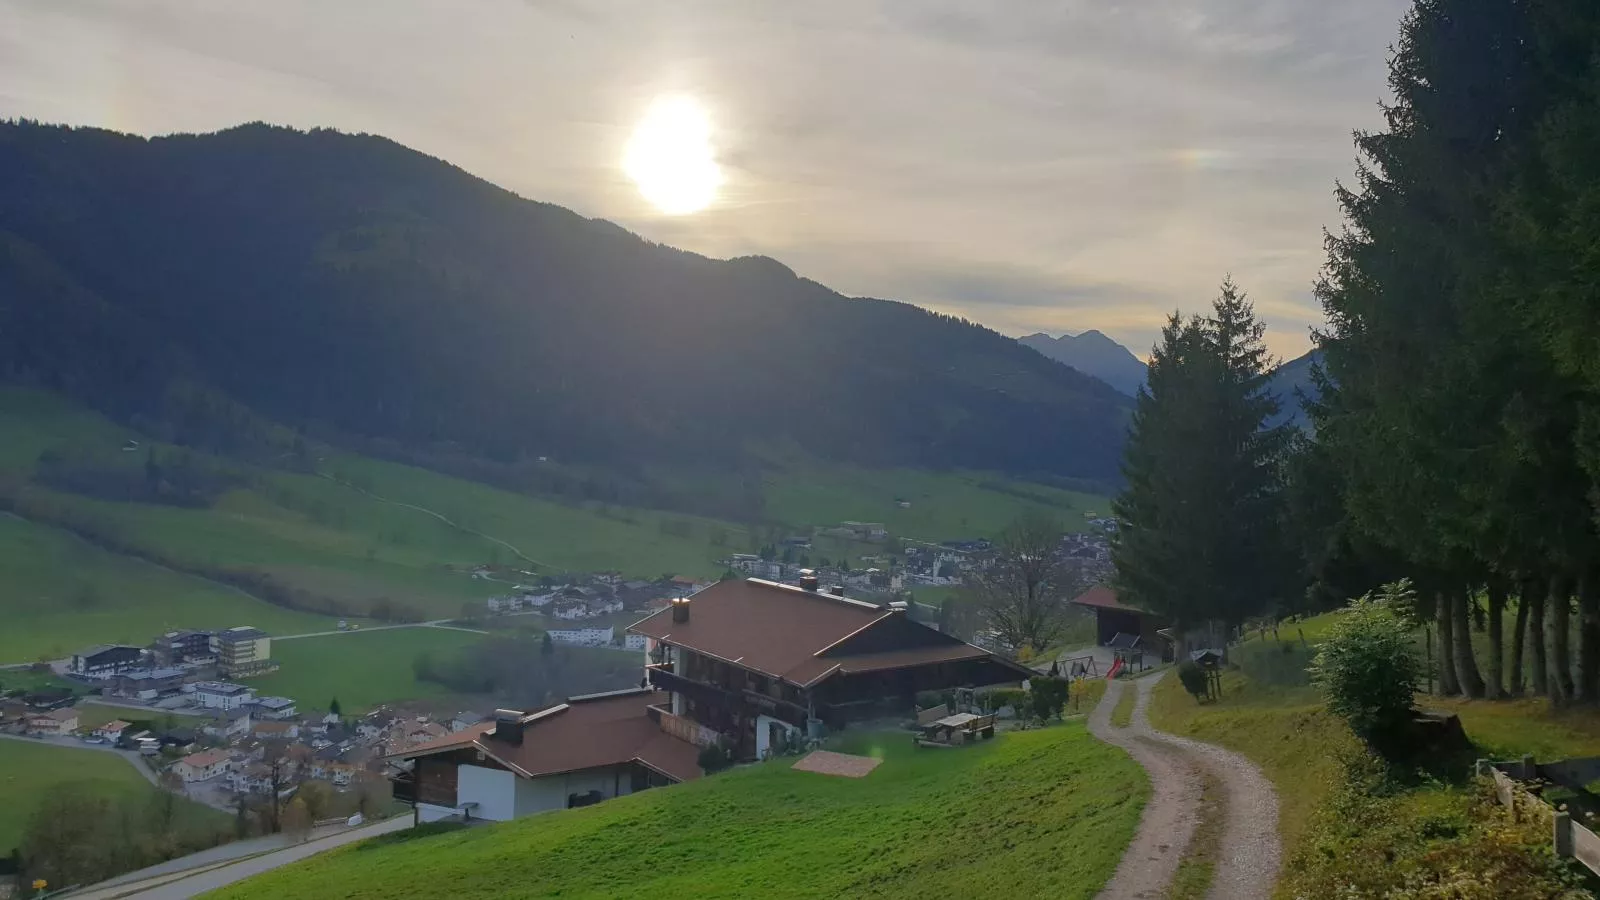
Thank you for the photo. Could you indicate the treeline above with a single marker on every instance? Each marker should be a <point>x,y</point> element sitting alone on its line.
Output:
<point>176,478</point>
<point>528,669</point>
<point>1456,430</point>
<point>77,836</point>
<point>342,283</point>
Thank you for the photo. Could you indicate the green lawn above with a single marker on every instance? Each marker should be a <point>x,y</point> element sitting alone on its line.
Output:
<point>1032,814</point>
<point>60,595</point>
<point>30,772</point>
<point>944,506</point>
<point>362,669</point>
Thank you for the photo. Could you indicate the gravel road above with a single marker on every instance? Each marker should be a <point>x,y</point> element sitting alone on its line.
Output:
<point>1250,853</point>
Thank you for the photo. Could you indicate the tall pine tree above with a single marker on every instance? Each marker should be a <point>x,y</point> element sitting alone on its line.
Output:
<point>1198,538</point>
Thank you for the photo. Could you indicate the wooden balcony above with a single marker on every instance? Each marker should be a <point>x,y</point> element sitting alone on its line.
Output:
<point>684,729</point>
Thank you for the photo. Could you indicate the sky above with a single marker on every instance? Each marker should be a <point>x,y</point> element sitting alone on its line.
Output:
<point>1049,167</point>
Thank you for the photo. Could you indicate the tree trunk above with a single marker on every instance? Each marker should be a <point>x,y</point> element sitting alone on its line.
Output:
<point>1466,662</point>
<point>1448,685</point>
<point>1536,604</point>
<point>1519,634</point>
<point>1589,637</point>
<point>1558,624</point>
<point>1495,687</point>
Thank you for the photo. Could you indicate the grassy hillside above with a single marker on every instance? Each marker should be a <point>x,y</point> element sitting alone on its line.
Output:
<point>60,594</point>
<point>364,534</point>
<point>30,772</point>
<point>1037,813</point>
<point>1339,810</point>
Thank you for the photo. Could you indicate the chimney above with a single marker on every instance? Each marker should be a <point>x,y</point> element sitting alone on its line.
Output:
<point>837,590</point>
<point>808,579</point>
<point>680,610</point>
<point>508,726</point>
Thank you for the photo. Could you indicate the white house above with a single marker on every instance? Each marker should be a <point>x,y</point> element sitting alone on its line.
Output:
<point>229,723</point>
<point>583,751</point>
<point>112,731</point>
<point>587,637</point>
<point>220,694</point>
<point>202,766</point>
<point>632,641</point>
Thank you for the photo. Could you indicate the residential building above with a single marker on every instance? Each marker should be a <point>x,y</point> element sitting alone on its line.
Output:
<point>188,647</point>
<point>106,660</point>
<point>276,731</point>
<point>112,731</point>
<point>144,684</point>
<point>202,766</point>
<point>465,720</point>
<point>53,723</point>
<point>587,637</point>
<point>575,753</point>
<point>243,651</point>
<point>228,723</point>
<point>275,708</point>
<point>221,694</point>
<point>634,641</point>
<point>763,664</point>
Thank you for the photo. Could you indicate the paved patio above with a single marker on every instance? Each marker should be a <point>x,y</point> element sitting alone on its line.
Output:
<point>826,762</point>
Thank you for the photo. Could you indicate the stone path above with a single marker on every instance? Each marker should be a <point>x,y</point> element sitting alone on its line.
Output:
<point>1248,859</point>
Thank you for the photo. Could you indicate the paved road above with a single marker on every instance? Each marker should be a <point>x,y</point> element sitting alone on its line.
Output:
<point>211,878</point>
<point>435,623</point>
<point>1250,853</point>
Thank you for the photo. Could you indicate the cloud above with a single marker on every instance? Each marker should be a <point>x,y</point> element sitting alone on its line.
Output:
<point>1062,166</point>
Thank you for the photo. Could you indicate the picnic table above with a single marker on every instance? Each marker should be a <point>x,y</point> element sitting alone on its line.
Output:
<point>960,728</point>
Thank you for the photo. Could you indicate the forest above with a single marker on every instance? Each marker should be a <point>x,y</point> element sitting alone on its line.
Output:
<point>1455,414</point>
<point>370,296</point>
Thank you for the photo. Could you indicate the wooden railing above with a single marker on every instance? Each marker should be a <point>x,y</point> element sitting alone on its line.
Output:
<point>1570,838</point>
<point>685,729</point>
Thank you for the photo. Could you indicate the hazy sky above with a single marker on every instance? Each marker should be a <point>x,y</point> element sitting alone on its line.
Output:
<point>1035,166</point>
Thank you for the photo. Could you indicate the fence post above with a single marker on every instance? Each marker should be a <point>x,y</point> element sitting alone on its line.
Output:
<point>1530,770</point>
<point>1563,833</point>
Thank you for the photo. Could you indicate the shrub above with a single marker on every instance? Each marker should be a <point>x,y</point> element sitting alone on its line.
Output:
<point>1048,696</point>
<point>1194,679</point>
<point>715,758</point>
<point>1368,669</point>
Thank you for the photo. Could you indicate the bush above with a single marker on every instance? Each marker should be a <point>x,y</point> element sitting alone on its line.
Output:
<point>1016,698</point>
<point>1368,669</point>
<point>1194,679</point>
<point>715,758</point>
<point>1048,696</point>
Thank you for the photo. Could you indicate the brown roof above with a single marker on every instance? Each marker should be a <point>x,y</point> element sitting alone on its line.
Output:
<point>1102,597</point>
<point>66,714</point>
<point>205,758</point>
<point>583,733</point>
<point>791,633</point>
<point>857,663</point>
<point>764,626</point>
<point>272,727</point>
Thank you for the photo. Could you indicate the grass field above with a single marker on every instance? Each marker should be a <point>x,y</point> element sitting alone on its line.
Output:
<point>361,669</point>
<point>61,594</point>
<point>1032,814</point>
<point>331,542</point>
<point>30,772</point>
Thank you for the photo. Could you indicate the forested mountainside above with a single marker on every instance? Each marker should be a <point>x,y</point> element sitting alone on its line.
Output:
<point>344,282</point>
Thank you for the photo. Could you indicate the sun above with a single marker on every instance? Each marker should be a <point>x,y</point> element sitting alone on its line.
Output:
<point>671,159</point>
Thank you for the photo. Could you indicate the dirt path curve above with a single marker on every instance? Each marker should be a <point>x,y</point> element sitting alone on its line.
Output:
<point>1248,859</point>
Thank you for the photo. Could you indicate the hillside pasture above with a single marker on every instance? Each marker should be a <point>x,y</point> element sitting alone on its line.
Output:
<point>1035,813</point>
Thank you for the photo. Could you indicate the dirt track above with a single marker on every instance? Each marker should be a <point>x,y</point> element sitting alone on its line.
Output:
<point>1250,854</point>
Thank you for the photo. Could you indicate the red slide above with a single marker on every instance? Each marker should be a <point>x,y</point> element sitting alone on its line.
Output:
<point>1115,668</point>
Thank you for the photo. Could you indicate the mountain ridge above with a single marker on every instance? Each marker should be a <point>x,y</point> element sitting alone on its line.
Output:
<point>1092,353</point>
<point>334,280</point>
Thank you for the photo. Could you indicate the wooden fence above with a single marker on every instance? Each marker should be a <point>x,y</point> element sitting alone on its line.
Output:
<point>1571,839</point>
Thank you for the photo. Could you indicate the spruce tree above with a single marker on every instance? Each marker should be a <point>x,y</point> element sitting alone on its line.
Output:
<point>1198,525</point>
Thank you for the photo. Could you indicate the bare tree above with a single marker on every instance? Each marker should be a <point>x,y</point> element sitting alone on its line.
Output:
<point>1022,592</point>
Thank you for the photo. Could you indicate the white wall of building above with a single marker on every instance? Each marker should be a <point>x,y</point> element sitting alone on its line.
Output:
<point>494,790</point>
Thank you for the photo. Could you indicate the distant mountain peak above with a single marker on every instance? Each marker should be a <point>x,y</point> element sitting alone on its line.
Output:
<point>1092,353</point>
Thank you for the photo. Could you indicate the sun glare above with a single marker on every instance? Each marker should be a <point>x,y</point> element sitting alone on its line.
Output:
<point>671,159</point>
